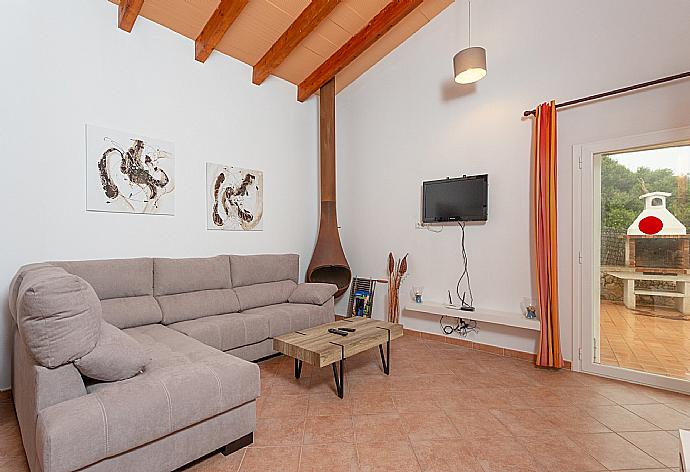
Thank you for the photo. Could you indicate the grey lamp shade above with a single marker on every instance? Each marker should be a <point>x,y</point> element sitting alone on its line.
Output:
<point>470,65</point>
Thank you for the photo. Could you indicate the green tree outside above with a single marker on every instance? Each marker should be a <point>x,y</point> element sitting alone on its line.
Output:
<point>621,189</point>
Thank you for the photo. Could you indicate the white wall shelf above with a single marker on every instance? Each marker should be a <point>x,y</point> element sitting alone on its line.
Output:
<point>483,315</point>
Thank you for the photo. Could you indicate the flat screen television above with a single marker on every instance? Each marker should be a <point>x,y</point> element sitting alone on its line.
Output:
<point>461,199</point>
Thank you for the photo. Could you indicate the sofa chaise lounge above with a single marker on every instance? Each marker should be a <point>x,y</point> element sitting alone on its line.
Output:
<point>200,322</point>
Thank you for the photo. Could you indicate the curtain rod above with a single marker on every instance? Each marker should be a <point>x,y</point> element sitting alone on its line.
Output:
<point>616,91</point>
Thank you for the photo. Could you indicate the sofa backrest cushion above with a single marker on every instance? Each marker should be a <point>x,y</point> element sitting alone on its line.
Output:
<point>263,268</point>
<point>271,293</point>
<point>187,289</point>
<point>173,276</point>
<point>130,312</point>
<point>124,286</point>
<point>193,305</point>
<point>114,278</point>
<point>58,316</point>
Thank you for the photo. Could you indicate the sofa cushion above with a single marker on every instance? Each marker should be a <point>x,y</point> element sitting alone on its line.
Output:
<point>58,316</point>
<point>17,282</point>
<point>288,317</point>
<point>117,356</point>
<point>114,278</point>
<point>226,332</point>
<point>190,275</point>
<point>271,293</point>
<point>263,268</point>
<point>196,383</point>
<point>313,293</point>
<point>131,311</point>
<point>193,305</point>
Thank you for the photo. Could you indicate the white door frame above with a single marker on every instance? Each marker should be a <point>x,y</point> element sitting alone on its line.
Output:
<point>584,252</point>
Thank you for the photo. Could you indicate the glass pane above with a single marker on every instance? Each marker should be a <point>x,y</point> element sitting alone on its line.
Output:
<point>644,321</point>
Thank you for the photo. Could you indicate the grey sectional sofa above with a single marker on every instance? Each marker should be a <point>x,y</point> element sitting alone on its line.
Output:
<point>200,320</point>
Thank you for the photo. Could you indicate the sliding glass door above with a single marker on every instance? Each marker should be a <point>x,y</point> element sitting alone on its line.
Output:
<point>632,202</point>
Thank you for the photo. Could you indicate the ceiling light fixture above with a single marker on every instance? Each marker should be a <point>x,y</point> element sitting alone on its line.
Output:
<point>470,63</point>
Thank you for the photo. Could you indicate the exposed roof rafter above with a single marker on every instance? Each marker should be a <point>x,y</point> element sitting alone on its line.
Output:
<point>386,19</point>
<point>127,13</point>
<point>222,18</point>
<point>304,24</point>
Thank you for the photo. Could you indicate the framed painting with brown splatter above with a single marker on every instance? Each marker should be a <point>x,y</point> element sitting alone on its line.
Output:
<point>235,198</point>
<point>129,173</point>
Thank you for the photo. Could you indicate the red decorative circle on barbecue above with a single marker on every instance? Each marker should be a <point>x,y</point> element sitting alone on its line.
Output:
<point>650,225</point>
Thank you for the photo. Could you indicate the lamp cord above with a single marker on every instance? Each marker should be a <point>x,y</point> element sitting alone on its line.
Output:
<point>469,23</point>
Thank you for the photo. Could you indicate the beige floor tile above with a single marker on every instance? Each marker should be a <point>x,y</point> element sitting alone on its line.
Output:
<point>406,402</point>
<point>662,416</point>
<point>445,456</point>
<point>620,419</point>
<point>525,422</point>
<point>275,406</point>
<point>271,459</point>
<point>370,404</point>
<point>496,454</point>
<point>329,404</point>
<point>560,454</point>
<point>429,425</point>
<point>625,394</point>
<point>329,458</point>
<point>471,423</point>
<point>661,445</point>
<point>614,452</point>
<point>379,428</point>
<point>390,456</point>
<point>329,429</point>
<point>284,431</point>
<point>573,420</point>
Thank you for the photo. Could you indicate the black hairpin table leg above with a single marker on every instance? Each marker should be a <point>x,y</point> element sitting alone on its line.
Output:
<point>339,377</point>
<point>387,359</point>
<point>298,368</point>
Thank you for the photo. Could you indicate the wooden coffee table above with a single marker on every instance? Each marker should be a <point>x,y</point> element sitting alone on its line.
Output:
<point>318,347</point>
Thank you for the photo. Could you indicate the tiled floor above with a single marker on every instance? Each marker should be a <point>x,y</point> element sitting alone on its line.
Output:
<point>444,408</point>
<point>647,343</point>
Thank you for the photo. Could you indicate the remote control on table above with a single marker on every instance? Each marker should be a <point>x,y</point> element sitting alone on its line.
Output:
<point>349,330</point>
<point>337,331</point>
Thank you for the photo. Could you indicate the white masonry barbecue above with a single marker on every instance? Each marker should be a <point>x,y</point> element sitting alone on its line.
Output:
<point>656,241</point>
<point>657,250</point>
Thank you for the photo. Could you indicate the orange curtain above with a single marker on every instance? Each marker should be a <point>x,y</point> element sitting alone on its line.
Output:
<point>545,220</point>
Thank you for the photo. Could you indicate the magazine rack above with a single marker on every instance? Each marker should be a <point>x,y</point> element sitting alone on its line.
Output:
<point>362,296</point>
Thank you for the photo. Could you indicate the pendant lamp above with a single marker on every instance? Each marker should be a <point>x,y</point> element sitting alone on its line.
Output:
<point>470,63</point>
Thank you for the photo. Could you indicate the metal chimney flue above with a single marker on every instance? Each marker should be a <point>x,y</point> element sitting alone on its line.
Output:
<point>328,263</point>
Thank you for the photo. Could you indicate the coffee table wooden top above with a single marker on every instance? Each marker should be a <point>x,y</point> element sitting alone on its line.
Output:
<point>318,347</point>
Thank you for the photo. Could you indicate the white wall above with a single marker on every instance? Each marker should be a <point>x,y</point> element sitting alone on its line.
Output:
<point>405,121</point>
<point>64,65</point>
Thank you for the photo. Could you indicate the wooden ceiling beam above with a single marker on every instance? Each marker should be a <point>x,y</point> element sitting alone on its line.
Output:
<point>225,15</point>
<point>386,19</point>
<point>127,13</point>
<point>304,24</point>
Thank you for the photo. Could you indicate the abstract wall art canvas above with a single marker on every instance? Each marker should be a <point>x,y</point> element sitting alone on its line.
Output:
<point>235,198</point>
<point>129,173</point>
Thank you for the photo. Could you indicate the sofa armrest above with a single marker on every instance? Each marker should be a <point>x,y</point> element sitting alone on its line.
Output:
<point>313,293</point>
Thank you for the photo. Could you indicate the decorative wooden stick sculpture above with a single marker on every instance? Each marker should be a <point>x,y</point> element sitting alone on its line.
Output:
<point>396,272</point>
